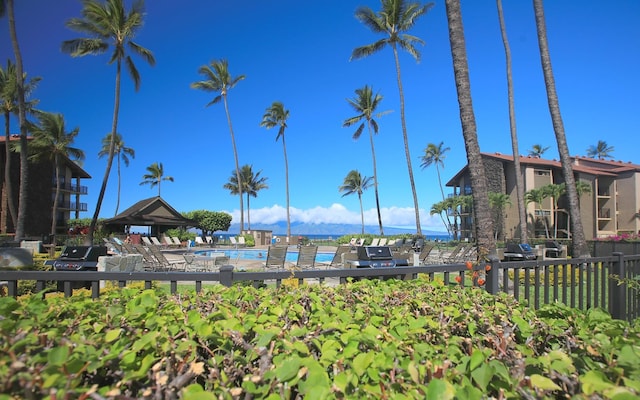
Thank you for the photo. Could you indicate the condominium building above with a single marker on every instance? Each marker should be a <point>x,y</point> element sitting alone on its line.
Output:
<point>611,208</point>
<point>41,192</point>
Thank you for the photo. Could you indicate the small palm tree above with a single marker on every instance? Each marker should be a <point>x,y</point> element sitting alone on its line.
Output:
<point>108,24</point>
<point>537,150</point>
<point>251,185</point>
<point>537,196</point>
<point>52,141</point>
<point>555,191</point>
<point>155,176</point>
<point>8,107</point>
<point>395,19</point>
<point>600,151</point>
<point>219,80</point>
<point>121,152</point>
<point>435,155</point>
<point>277,115</point>
<point>356,183</point>
<point>498,202</point>
<point>365,104</point>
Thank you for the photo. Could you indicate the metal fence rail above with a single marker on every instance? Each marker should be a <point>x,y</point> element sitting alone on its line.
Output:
<point>581,283</point>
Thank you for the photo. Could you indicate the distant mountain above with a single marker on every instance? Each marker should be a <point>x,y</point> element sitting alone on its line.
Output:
<point>304,229</point>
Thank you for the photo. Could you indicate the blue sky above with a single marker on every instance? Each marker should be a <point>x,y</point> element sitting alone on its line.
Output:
<point>298,52</point>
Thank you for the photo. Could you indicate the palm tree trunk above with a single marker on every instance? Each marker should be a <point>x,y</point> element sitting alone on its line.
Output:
<point>361,212</point>
<point>112,148</point>
<point>375,178</point>
<point>119,181</point>
<point>406,143</point>
<point>235,154</point>
<point>54,209</point>
<point>448,221</point>
<point>522,214</point>
<point>286,183</point>
<point>248,213</point>
<point>578,243</point>
<point>8,187</point>
<point>24,163</point>
<point>482,211</point>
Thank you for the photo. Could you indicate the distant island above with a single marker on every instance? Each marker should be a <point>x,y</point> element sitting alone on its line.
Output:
<point>336,230</point>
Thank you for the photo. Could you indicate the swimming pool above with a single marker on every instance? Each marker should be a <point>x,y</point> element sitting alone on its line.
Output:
<point>257,254</point>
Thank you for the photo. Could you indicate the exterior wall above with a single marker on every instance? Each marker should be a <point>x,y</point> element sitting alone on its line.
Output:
<point>628,203</point>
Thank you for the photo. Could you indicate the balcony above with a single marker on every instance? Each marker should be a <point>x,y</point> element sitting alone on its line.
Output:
<point>72,206</point>
<point>69,187</point>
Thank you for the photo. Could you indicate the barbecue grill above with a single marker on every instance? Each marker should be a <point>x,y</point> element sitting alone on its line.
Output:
<point>375,257</point>
<point>78,258</point>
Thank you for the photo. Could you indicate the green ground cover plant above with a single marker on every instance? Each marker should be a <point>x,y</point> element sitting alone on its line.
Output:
<point>367,339</point>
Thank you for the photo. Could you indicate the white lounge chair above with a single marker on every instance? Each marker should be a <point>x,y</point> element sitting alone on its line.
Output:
<point>375,241</point>
<point>199,241</point>
<point>241,241</point>
<point>155,241</point>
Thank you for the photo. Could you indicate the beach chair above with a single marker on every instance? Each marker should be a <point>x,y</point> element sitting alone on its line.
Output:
<point>424,253</point>
<point>382,242</point>
<point>375,241</point>
<point>452,257</point>
<point>276,257</point>
<point>166,264</point>
<point>241,241</point>
<point>176,241</point>
<point>156,242</point>
<point>360,242</point>
<point>147,241</point>
<point>336,261</point>
<point>233,241</point>
<point>168,241</point>
<point>307,257</point>
<point>149,262</point>
<point>209,240</point>
<point>199,241</point>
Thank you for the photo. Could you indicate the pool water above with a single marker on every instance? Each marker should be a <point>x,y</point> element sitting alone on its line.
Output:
<point>255,254</point>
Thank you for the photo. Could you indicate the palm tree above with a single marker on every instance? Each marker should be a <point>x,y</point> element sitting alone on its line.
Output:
<point>522,212</point>
<point>537,196</point>
<point>600,151</point>
<point>555,191</point>
<point>121,152</point>
<point>277,115</point>
<point>435,155</point>
<point>481,209</point>
<point>22,121</point>
<point>8,106</point>
<point>251,184</point>
<point>394,20</point>
<point>365,104</point>
<point>537,150</point>
<point>219,80</point>
<point>108,24</point>
<point>440,208</point>
<point>498,202</point>
<point>579,243</point>
<point>155,176</point>
<point>356,183</point>
<point>52,141</point>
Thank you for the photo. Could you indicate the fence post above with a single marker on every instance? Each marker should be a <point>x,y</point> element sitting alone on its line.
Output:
<point>226,275</point>
<point>491,284</point>
<point>618,289</point>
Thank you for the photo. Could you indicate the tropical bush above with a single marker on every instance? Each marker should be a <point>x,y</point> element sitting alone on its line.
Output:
<point>366,339</point>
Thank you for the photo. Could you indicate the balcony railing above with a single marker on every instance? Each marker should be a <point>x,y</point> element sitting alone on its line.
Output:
<point>72,205</point>
<point>69,187</point>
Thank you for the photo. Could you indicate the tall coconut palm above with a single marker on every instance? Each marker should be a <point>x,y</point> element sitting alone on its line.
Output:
<point>365,104</point>
<point>537,150</point>
<point>217,79</point>
<point>393,21</point>
<point>121,152</point>
<point>600,151</point>
<point>155,176</point>
<point>354,182</point>
<point>441,209</point>
<point>522,213</point>
<point>555,191</point>
<point>578,243</point>
<point>537,196</point>
<point>9,106</point>
<point>481,209</point>
<point>22,121</point>
<point>52,141</point>
<point>435,155</point>
<point>277,115</point>
<point>251,185</point>
<point>107,24</point>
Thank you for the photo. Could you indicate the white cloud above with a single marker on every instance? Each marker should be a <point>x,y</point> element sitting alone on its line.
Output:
<point>339,214</point>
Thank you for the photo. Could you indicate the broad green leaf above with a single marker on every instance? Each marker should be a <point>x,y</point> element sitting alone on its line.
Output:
<point>58,355</point>
<point>112,335</point>
<point>288,369</point>
<point>440,390</point>
<point>413,372</point>
<point>477,358</point>
<point>594,382</point>
<point>361,362</point>
<point>483,376</point>
<point>544,383</point>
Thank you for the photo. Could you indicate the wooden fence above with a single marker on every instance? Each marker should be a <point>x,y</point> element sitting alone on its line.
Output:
<point>611,283</point>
